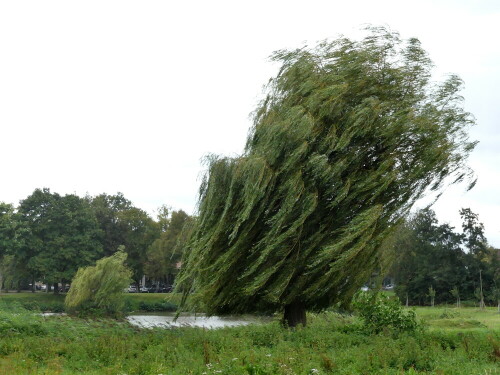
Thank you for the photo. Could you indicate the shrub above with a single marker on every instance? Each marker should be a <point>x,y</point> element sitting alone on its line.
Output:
<point>380,312</point>
<point>98,290</point>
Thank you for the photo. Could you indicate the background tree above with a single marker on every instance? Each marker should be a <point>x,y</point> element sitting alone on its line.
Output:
<point>163,217</point>
<point>123,224</point>
<point>107,209</point>
<point>432,295</point>
<point>140,231</point>
<point>6,235</point>
<point>166,252</point>
<point>60,235</point>
<point>456,293</point>
<point>350,135</point>
<point>435,254</point>
<point>99,289</point>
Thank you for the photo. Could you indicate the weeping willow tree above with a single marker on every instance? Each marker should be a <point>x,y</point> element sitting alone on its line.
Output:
<point>349,136</point>
<point>99,289</point>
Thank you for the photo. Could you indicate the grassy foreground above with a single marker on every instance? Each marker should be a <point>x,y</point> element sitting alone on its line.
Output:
<point>331,344</point>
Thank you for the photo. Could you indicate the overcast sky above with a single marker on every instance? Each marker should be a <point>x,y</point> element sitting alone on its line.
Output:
<point>108,96</point>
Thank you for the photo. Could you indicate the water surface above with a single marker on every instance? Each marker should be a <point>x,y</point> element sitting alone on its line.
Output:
<point>199,320</point>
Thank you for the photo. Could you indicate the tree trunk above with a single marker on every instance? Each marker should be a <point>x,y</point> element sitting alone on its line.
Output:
<point>56,288</point>
<point>295,314</point>
<point>33,286</point>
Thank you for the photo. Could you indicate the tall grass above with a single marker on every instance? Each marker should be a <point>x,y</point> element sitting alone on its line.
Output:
<point>331,344</point>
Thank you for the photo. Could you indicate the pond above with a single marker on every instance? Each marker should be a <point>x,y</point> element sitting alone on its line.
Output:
<point>199,320</point>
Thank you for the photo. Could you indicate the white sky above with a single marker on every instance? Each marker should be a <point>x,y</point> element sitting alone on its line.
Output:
<point>108,96</point>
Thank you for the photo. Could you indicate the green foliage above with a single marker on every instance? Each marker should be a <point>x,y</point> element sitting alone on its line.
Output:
<point>166,251</point>
<point>57,235</point>
<point>122,224</point>
<point>350,135</point>
<point>456,293</point>
<point>432,294</point>
<point>99,289</point>
<point>382,313</point>
<point>106,210</point>
<point>7,227</point>
<point>147,302</point>
<point>433,254</point>
<point>63,345</point>
<point>16,320</point>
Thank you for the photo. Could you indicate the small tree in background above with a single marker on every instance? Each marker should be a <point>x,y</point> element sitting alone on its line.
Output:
<point>495,296</point>
<point>455,293</point>
<point>99,289</point>
<point>432,294</point>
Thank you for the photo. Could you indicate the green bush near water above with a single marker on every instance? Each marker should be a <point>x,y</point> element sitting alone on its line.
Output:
<point>98,290</point>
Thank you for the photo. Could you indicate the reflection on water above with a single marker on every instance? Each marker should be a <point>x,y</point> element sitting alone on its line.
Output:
<point>167,321</point>
<point>52,314</point>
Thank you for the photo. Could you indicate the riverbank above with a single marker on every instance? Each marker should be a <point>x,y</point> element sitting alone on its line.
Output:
<point>134,302</point>
<point>330,344</point>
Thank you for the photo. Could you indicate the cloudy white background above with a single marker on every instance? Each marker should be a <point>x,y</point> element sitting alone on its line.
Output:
<point>108,96</point>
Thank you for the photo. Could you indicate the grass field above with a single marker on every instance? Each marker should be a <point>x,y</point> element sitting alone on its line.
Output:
<point>455,341</point>
<point>459,319</point>
<point>149,302</point>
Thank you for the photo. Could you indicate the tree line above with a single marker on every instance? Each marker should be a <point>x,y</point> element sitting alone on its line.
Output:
<point>435,263</point>
<point>48,236</point>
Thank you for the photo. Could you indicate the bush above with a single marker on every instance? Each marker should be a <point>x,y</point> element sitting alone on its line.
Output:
<point>380,312</point>
<point>156,306</point>
<point>98,290</point>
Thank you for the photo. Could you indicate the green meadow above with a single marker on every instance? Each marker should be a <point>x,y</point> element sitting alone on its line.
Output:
<point>453,341</point>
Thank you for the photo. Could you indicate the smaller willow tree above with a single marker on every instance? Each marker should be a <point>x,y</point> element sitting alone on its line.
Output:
<point>99,289</point>
<point>350,135</point>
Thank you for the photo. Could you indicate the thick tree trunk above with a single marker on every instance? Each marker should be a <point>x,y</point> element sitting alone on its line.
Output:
<point>56,288</point>
<point>295,314</point>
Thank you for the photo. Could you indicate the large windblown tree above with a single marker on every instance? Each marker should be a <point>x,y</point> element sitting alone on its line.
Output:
<point>350,135</point>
